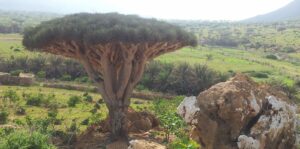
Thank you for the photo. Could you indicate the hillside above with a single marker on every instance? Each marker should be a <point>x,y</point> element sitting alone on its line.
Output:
<point>17,21</point>
<point>288,12</point>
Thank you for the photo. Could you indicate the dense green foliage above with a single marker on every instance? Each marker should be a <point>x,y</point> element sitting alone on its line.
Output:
<point>3,116</point>
<point>173,124</point>
<point>180,79</point>
<point>25,140</point>
<point>73,100</point>
<point>88,28</point>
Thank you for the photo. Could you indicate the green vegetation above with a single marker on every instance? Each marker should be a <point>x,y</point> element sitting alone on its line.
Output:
<point>93,29</point>
<point>17,21</point>
<point>59,120</point>
<point>20,139</point>
<point>266,52</point>
<point>73,100</point>
<point>223,60</point>
<point>165,110</point>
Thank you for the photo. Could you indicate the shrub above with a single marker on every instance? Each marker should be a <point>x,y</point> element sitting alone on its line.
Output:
<point>184,143</point>
<point>11,96</point>
<point>40,124</point>
<point>73,100</point>
<point>34,99</point>
<point>39,99</point>
<point>3,116</point>
<point>17,50</point>
<point>66,77</point>
<point>271,56</point>
<point>85,122</point>
<point>41,74</point>
<point>171,122</point>
<point>182,79</point>
<point>87,97</point>
<point>52,113</point>
<point>83,79</point>
<point>259,75</point>
<point>26,140</point>
<point>16,72</point>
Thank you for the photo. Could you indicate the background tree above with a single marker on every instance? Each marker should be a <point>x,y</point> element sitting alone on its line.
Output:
<point>113,49</point>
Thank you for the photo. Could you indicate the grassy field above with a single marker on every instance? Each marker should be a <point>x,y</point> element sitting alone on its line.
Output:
<point>234,60</point>
<point>217,58</point>
<point>79,113</point>
<point>11,45</point>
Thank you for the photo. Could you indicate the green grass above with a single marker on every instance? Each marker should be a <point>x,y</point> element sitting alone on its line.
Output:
<point>10,42</point>
<point>226,59</point>
<point>79,113</point>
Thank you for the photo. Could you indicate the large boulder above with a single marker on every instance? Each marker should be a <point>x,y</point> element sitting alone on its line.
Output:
<point>241,114</point>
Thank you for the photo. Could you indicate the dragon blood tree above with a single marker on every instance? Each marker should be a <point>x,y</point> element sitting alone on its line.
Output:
<point>113,49</point>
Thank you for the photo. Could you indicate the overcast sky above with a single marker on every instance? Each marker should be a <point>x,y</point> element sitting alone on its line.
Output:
<point>162,9</point>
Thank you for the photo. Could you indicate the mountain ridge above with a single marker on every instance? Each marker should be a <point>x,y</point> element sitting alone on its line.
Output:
<point>289,12</point>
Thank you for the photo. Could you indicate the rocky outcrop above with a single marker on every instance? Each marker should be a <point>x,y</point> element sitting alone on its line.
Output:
<point>188,108</point>
<point>241,114</point>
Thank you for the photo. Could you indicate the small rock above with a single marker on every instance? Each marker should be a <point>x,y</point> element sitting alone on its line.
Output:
<point>143,144</point>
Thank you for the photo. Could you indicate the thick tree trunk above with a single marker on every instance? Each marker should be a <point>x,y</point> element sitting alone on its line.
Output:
<point>115,69</point>
<point>118,121</point>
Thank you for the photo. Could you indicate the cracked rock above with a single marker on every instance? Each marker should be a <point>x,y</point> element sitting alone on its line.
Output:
<point>241,114</point>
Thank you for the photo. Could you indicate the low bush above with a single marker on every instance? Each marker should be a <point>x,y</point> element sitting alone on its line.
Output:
<point>3,116</point>
<point>85,122</point>
<point>26,140</point>
<point>34,99</point>
<point>271,56</point>
<point>10,96</point>
<point>40,124</point>
<point>261,75</point>
<point>184,143</point>
<point>87,97</point>
<point>173,124</point>
<point>73,100</point>
<point>39,99</point>
<point>181,79</point>
<point>66,77</point>
<point>16,72</point>
<point>41,74</point>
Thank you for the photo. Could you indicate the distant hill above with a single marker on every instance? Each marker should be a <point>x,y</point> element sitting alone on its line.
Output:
<point>17,21</point>
<point>288,12</point>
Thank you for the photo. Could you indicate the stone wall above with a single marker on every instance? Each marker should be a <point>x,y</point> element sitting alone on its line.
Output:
<point>24,79</point>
